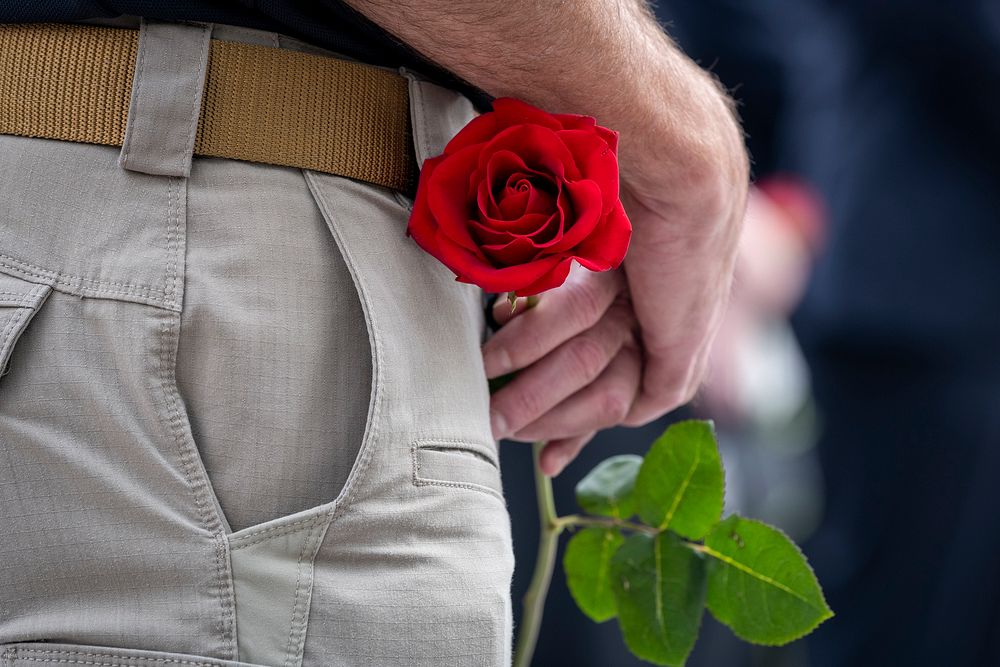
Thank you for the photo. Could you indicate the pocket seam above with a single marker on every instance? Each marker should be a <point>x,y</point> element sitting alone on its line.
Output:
<point>472,447</point>
<point>86,287</point>
<point>265,534</point>
<point>25,307</point>
<point>209,512</point>
<point>23,299</point>
<point>14,657</point>
<point>371,437</point>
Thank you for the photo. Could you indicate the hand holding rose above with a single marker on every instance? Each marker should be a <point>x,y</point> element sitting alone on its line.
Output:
<point>517,196</point>
<point>628,346</point>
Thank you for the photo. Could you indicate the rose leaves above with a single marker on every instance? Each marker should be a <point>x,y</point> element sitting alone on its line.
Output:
<point>748,575</point>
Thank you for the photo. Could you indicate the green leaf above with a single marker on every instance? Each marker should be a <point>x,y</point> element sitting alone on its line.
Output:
<point>588,571</point>
<point>760,585</point>
<point>681,483</point>
<point>607,489</point>
<point>659,584</point>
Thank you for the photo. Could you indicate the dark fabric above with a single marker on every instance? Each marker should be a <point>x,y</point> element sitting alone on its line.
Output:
<point>914,246</point>
<point>326,23</point>
<point>908,553</point>
<point>887,108</point>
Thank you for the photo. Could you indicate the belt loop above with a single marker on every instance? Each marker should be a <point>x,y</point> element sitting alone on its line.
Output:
<point>170,68</point>
<point>436,115</point>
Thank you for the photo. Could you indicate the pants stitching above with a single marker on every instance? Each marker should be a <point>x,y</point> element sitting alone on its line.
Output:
<point>368,446</point>
<point>291,648</point>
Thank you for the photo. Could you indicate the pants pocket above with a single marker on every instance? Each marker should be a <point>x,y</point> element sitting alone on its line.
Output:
<point>60,655</point>
<point>458,464</point>
<point>273,359</point>
<point>20,300</point>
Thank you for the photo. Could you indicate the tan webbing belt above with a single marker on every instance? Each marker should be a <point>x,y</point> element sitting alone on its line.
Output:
<point>260,104</point>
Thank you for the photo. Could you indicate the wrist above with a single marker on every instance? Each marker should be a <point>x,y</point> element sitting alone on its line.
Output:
<point>686,156</point>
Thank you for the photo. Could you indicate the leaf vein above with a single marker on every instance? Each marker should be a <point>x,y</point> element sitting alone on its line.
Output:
<point>603,564</point>
<point>658,589</point>
<point>681,491</point>
<point>755,574</point>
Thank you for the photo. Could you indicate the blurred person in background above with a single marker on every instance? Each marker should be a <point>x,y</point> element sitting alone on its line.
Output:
<point>886,110</point>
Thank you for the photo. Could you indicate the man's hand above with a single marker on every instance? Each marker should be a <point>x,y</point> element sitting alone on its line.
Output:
<point>622,347</point>
<point>578,363</point>
<point>684,183</point>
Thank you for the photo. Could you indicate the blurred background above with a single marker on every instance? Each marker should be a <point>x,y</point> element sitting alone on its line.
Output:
<point>856,381</point>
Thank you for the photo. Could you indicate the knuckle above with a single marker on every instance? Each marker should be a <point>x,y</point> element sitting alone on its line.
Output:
<point>676,396</point>
<point>614,407</point>
<point>585,303</point>
<point>533,347</point>
<point>640,419</point>
<point>526,406</point>
<point>587,357</point>
<point>532,342</point>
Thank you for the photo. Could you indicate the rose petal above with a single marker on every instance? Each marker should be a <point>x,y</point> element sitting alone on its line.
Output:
<point>447,196</point>
<point>447,248</point>
<point>540,201</point>
<point>422,226</point>
<point>485,202</point>
<point>581,203</point>
<point>573,121</point>
<point>509,250</point>
<point>472,269</point>
<point>529,193</point>
<point>589,123</point>
<point>606,247</point>
<point>596,162</point>
<point>541,150</point>
<point>478,130</point>
<point>610,137</point>
<point>554,278</point>
<point>510,112</point>
<point>500,168</point>
<point>552,232</point>
<point>527,225</point>
<point>513,204</point>
<point>486,235</point>
<point>518,251</point>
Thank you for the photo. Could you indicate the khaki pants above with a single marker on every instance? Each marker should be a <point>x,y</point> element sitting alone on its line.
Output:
<point>245,419</point>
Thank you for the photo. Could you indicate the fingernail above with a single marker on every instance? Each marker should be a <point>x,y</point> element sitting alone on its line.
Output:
<point>498,424</point>
<point>496,361</point>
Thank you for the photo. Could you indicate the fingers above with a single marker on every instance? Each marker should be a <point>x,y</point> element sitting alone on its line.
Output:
<point>559,453</point>
<point>571,366</point>
<point>561,314</point>
<point>602,404</point>
<point>667,384</point>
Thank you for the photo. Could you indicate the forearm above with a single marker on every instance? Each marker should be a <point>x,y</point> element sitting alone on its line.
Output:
<point>605,58</point>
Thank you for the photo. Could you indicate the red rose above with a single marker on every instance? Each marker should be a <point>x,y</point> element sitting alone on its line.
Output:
<point>518,195</point>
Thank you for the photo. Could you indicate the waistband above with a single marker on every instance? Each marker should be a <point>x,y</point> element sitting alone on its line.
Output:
<point>168,91</point>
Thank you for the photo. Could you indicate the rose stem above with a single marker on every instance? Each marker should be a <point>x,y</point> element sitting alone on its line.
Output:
<point>548,541</point>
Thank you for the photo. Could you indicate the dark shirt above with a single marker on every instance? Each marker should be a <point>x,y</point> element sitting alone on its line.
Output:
<point>325,23</point>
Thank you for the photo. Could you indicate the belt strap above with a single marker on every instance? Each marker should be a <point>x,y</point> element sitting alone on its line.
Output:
<point>260,104</point>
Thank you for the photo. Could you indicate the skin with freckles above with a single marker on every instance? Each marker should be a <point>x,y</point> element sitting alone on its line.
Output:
<point>626,346</point>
